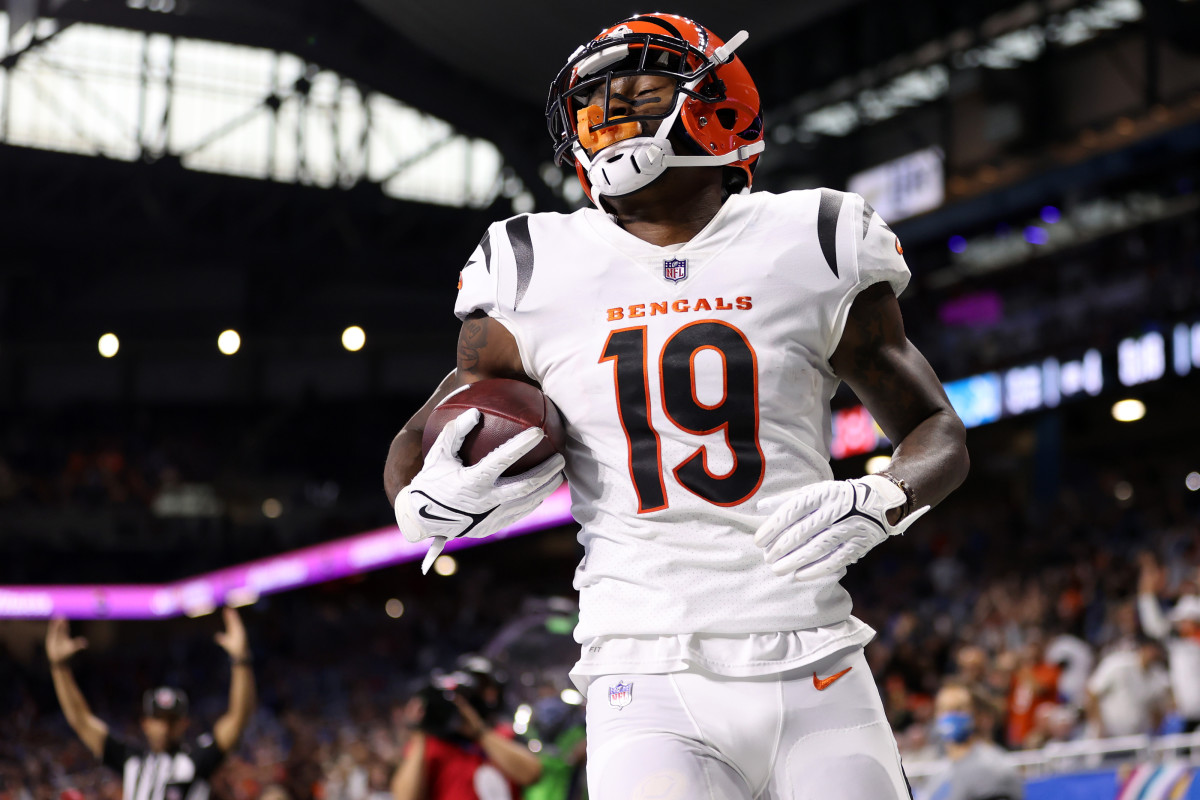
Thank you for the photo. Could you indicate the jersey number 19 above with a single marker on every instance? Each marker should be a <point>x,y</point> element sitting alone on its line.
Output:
<point>736,414</point>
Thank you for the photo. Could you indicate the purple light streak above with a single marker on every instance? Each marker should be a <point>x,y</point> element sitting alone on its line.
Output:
<point>245,583</point>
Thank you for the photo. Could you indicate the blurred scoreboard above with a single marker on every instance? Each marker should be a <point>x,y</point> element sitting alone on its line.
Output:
<point>1024,389</point>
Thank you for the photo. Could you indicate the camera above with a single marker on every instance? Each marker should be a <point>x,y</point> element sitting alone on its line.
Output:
<point>475,680</point>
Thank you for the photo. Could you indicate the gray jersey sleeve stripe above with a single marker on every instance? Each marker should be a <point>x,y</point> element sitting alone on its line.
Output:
<point>827,219</point>
<point>522,247</point>
<point>868,212</point>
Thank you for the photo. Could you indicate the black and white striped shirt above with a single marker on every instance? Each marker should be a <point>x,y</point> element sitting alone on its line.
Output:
<point>178,775</point>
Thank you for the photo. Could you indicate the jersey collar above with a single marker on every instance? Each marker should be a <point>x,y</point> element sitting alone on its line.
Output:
<point>721,230</point>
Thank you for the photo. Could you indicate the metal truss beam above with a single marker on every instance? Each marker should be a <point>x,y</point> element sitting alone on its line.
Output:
<point>342,37</point>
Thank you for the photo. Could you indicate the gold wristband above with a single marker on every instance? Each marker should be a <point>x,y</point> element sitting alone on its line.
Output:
<point>910,497</point>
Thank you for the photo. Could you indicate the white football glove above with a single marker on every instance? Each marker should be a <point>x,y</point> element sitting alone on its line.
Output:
<point>447,499</point>
<point>827,526</point>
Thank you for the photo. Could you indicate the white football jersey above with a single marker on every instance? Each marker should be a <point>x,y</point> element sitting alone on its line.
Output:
<point>695,385</point>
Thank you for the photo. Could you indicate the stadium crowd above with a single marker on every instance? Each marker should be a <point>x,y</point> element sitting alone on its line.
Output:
<point>957,601</point>
<point>1036,611</point>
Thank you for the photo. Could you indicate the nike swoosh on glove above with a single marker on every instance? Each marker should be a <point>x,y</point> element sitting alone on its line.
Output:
<point>447,499</point>
<point>827,526</point>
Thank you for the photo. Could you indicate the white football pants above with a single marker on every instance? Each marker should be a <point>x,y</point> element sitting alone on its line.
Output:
<point>698,736</point>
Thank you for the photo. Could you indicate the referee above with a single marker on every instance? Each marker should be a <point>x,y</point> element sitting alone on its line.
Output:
<point>169,767</point>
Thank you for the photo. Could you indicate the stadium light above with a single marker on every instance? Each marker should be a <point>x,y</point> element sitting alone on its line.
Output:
<point>571,697</point>
<point>1123,491</point>
<point>521,718</point>
<point>877,464</point>
<point>353,338</point>
<point>108,345</point>
<point>445,566</point>
<point>229,342</point>
<point>394,608</point>
<point>1128,410</point>
<point>1192,481</point>
<point>272,508</point>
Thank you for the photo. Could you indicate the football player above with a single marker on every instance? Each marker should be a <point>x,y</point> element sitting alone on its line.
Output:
<point>692,334</point>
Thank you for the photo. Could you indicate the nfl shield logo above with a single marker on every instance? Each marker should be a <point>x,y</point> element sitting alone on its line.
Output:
<point>675,269</point>
<point>620,695</point>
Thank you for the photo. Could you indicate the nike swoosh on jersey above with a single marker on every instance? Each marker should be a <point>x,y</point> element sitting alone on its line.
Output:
<point>824,683</point>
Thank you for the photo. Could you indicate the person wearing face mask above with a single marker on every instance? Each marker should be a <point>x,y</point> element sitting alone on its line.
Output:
<point>978,769</point>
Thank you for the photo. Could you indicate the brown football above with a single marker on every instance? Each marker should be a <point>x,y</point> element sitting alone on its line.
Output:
<point>508,407</point>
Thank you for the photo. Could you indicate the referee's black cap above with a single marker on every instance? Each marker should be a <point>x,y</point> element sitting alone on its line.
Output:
<point>165,702</point>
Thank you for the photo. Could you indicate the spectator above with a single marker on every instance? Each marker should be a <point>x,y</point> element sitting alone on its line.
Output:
<point>1180,635</point>
<point>989,702</point>
<point>1128,692</point>
<point>1034,683</point>
<point>978,769</point>
<point>1073,656</point>
<point>1053,723</point>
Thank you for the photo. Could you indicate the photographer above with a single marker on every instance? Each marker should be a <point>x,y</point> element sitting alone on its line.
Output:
<point>455,753</point>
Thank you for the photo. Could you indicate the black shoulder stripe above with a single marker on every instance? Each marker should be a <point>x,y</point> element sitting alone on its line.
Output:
<point>827,218</point>
<point>868,212</point>
<point>486,246</point>
<point>522,247</point>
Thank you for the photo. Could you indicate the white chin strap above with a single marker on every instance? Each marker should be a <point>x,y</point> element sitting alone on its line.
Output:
<point>627,166</point>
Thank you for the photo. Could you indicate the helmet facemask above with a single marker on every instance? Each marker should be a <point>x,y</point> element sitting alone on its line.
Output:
<point>623,153</point>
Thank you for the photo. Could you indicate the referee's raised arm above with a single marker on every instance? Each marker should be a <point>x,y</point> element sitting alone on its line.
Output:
<point>233,722</point>
<point>60,646</point>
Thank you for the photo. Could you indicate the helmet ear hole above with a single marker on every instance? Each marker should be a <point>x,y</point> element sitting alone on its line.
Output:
<point>754,131</point>
<point>727,117</point>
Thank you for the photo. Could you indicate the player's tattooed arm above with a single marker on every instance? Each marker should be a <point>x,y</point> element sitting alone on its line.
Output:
<point>485,350</point>
<point>471,340</point>
<point>900,389</point>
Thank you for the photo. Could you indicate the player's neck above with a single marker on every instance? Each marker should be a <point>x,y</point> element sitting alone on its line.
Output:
<point>674,208</point>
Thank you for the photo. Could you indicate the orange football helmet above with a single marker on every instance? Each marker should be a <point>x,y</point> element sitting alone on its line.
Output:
<point>715,99</point>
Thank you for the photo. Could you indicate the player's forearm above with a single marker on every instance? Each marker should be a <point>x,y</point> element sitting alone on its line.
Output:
<point>403,461</point>
<point>932,459</point>
<point>404,456</point>
<point>512,758</point>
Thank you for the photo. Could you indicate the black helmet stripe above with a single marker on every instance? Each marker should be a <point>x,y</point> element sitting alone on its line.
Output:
<point>662,23</point>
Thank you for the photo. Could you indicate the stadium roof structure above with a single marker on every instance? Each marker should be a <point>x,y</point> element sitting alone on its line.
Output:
<point>516,49</point>
<point>277,166</point>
